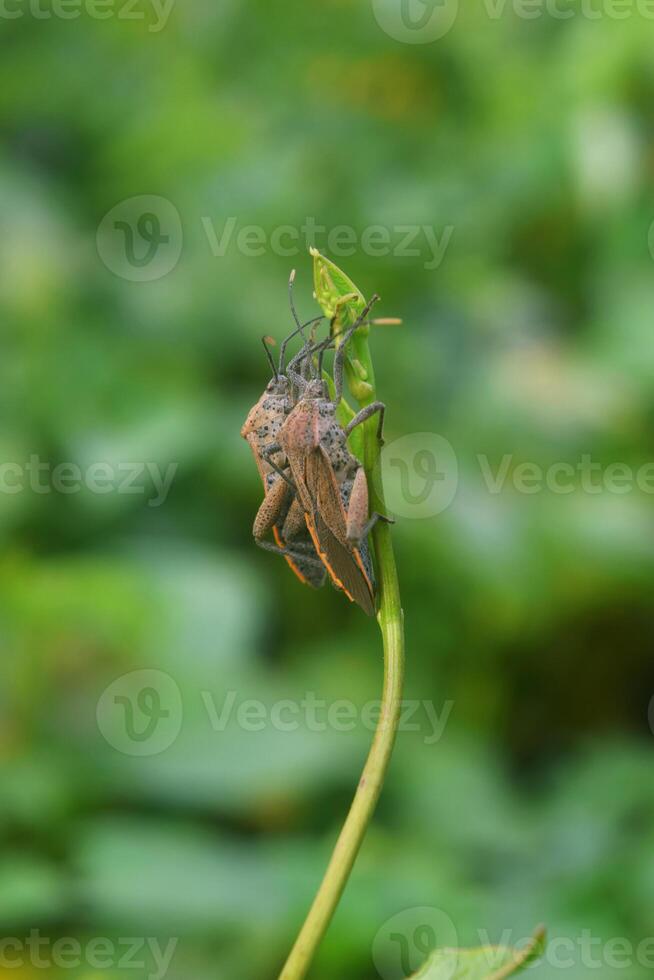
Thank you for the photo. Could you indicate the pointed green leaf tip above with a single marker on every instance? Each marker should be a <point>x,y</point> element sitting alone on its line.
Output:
<point>335,292</point>
<point>485,963</point>
<point>339,298</point>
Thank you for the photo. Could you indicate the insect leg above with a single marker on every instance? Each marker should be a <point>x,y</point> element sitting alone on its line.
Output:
<point>270,451</point>
<point>357,508</point>
<point>270,510</point>
<point>294,523</point>
<point>297,380</point>
<point>297,555</point>
<point>366,413</point>
<point>358,525</point>
<point>373,520</point>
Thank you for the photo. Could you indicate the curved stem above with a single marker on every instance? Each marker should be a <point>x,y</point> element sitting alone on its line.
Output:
<point>390,619</point>
<point>374,772</point>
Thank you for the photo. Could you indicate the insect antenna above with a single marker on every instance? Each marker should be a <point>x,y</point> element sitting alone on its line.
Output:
<point>275,374</point>
<point>302,353</point>
<point>321,355</point>
<point>291,283</point>
<point>363,316</point>
<point>300,326</point>
<point>310,350</point>
<point>307,343</point>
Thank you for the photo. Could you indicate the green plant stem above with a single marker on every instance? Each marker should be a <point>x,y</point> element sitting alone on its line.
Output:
<point>390,619</point>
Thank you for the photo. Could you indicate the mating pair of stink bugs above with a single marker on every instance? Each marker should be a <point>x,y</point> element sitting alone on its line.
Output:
<point>316,493</point>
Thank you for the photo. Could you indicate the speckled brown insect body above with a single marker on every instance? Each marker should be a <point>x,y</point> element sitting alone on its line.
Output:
<point>330,483</point>
<point>261,429</point>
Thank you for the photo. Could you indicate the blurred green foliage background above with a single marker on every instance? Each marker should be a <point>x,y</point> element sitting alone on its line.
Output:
<point>533,141</point>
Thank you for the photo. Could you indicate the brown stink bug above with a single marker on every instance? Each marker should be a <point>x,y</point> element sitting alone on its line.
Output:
<point>260,430</point>
<point>329,482</point>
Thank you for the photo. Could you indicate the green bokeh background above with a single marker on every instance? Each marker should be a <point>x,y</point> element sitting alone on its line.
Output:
<point>533,140</point>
